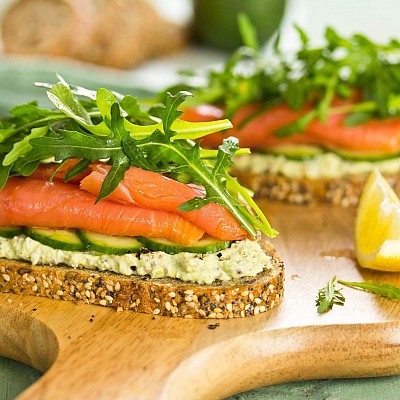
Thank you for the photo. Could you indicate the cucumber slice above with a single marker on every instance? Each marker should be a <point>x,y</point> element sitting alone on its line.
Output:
<point>64,239</point>
<point>10,231</point>
<point>296,152</point>
<point>205,245</point>
<point>364,155</point>
<point>108,244</point>
<point>303,152</point>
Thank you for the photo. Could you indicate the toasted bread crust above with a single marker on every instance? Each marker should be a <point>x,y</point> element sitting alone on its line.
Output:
<point>343,191</point>
<point>167,297</point>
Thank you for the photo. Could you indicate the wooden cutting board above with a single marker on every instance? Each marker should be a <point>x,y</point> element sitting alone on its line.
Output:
<point>96,352</point>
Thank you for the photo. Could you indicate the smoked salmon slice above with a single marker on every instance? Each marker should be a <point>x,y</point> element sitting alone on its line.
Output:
<point>36,202</point>
<point>374,135</point>
<point>256,128</point>
<point>154,191</point>
<point>253,127</point>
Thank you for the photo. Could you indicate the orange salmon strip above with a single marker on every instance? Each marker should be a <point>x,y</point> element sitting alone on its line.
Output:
<point>157,192</point>
<point>33,202</point>
<point>258,132</point>
<point>373,135</point>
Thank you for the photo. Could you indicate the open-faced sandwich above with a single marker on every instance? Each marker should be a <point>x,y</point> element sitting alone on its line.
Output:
<point>104,203</point>
<point>318,121</point>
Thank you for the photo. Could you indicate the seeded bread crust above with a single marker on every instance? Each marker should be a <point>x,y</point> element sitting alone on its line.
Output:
<point>344,192</point>
<point>168,297</point>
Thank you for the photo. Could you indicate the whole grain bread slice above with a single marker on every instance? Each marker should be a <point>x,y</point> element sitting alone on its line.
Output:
<point>168,297</point>
<point>344,191</point>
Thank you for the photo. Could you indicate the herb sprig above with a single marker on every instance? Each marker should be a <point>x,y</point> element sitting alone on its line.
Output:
<point>353,68</point>
<point>379,288</point>
<point>330,295</point>
<point>109,126</point>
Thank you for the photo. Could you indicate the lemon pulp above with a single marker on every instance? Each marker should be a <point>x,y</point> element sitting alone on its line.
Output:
<point>377,226</point>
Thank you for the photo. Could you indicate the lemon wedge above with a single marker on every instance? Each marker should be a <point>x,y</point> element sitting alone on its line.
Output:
<point>377,226</point>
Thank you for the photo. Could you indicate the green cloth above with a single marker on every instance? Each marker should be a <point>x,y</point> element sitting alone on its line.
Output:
<point>17,81</point>
<point>15,377</point>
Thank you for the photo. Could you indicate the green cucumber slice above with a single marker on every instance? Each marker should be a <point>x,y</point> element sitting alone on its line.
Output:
<point>205,245</point>
<point>295,152</point>
<point>363,155</point>
<point>108,244</point>
<point>304,152</point>
<point>10,231</point>
<point>63,239</point>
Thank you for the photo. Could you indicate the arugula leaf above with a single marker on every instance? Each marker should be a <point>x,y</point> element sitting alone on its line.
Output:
<point>120,162</point>
<point>77,169</point>
<point>302,35</point>
<point>171,112</point>
<point>357,118</point>
<point>381,289</point>
<point>226,151</point>
<point>117,124</point>
<point>120,165</point>
<point>62,97</point>
<point>247,31</point>
<point>329,296</point>
<point>4,174</point>
<point>28,167</point>
<point>6,133</point>
<point>23,146</point>
<point>259,220</point>
<point>30,111</point>
<point>26,164</point>
<point>77,90</point>
<point>60,165</point>
<point>74,144</point>
<point>324,104</point>
<point>104,100</point>
<point>298,126</point>
<point>196,130</point>
<point>131,105</point>
<point>25,117</point>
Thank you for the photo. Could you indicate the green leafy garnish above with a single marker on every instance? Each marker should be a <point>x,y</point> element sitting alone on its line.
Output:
<point>379,288</point>
<point>109,127</point>
<point>328,296</point>
<point>23,146</point>
<point>247,31</point>
<point>353,68</point>
<point>331,295</point>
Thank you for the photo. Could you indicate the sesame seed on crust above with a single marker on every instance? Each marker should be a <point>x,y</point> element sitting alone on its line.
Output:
<point>344,192</point>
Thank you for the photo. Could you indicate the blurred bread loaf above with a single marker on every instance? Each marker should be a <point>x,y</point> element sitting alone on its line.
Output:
<point>116,33</point>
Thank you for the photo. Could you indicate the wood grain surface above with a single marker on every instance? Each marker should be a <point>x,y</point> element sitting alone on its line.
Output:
<point>95,352</point>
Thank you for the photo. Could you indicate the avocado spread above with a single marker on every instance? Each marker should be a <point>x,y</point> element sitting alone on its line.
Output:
<point>243,258</point>
<point>325,165</point>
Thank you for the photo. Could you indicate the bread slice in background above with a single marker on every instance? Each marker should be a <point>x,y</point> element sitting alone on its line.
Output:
<point>168,297</point>
<point>344,191</point>
<point>115,33</point>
